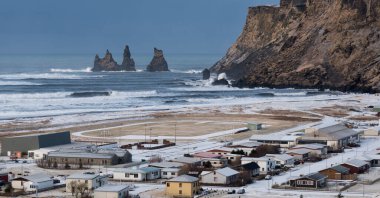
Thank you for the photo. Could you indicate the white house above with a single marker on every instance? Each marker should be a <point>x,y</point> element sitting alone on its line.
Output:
<point>93,181</point>
<point>32,183</point>
<point>141,174</point>
<point>220,176</point>
<point>168,173</point>
<point>216,162</point>
<point>282,159</point>
<point>315,149</point>
<point>266,164</point>
<point>299,154</point>
<point>111,191</point>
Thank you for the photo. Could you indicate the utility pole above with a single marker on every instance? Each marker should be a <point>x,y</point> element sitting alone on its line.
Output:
<point>145,133</point>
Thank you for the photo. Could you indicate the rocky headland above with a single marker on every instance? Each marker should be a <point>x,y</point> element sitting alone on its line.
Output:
<point>308,44</point>
<point>109,64</point>
<point>158,62</point>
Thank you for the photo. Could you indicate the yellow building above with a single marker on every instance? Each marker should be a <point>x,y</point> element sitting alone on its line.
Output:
<point>183,186</point>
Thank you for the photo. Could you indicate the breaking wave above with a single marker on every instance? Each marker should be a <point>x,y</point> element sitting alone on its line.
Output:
<point>54,70</point>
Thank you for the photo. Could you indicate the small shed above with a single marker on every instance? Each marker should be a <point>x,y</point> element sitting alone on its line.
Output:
<point>33,182</point>
<point>254,126</point>
<point>313,180</point>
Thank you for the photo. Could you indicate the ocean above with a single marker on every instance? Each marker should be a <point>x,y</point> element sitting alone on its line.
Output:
<point>33,86</point>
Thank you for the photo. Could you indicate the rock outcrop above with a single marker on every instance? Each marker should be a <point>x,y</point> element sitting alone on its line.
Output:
<point>109,64</point>
<point>308,44</point>
<point>158,62</point>
<point>128,63</point>
<point>206,74</point>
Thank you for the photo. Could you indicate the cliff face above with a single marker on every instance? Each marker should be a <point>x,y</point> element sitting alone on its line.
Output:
<point>308,44</point>
<point>109,64</point>
<point>158,62</point>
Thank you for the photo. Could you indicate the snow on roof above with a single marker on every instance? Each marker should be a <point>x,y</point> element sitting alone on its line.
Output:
<point>184,178</point>
<point>356,163</point>
<point>140,170</point>
<point>36,178</point>
<point>250,144</point>
<point>187,160</point>
<point>255,159</point>
<point>170,169</point>
<point>82,176</point>
<point>282,157</point>
<point>111,188</point>
<point>310,146</point>
<point>315,176</point>
<point>227,171</point>
<point>274,137</point>
<point>81,155</point>
<point>167,164</point>
<point>334,132</point>
<point>299,151</point>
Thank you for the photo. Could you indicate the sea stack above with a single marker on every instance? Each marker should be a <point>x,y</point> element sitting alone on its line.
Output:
<point>128,63</point>
<point>206,74</point>
<point>109,64</point>
<point>158,62</point>
<point>105,64</point>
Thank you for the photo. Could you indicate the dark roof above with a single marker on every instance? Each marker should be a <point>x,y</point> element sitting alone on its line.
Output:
<point>340,169</point>
<point>314,176</point>
<point>250,166</point>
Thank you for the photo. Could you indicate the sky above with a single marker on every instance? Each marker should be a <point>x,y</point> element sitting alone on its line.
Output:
<point>92,26</point>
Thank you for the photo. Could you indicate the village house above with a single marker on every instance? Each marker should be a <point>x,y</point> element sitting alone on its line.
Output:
<point>32,183</point>
<point>313,180</point>
<point>299,154</point>
<point>372,159</point>
<point>215,162</point>
<point>182,186</point>
<point>267,165</point>
<point>338,173</point>
<point>141,174</point>
<point>222,176</point>
<point>315,149</point>
<point>282,160</point>
<point>221,151</point>
<point>357,166</point>
<point>111,191</point>
<point>252,168</point>
<point>167,173</point>
<point>91,180</point>
<point>233,159</point>
<point>335,137</point>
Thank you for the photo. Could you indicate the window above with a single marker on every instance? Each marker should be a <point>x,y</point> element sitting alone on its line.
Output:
<point>262,169</point>
<point>86,181</point>
<point>180,192</point>
<point>173,173</point>
<point>135,175</point>
<point>126,174</point>
<point>180,185</point>
<point>164,173</point>
<point>167,184</point>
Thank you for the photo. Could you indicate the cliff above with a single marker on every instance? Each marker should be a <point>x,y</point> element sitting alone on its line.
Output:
<point>109,64</point>
<point>158,62</point>
<point>308,44</point>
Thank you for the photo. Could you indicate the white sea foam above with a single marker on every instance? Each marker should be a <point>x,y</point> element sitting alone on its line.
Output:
<point>191,71</point>
<point>54,70</point>
<point>17,83</point>
<point>22,76</point>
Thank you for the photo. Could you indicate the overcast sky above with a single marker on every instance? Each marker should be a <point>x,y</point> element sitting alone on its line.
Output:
<point>91,26</point>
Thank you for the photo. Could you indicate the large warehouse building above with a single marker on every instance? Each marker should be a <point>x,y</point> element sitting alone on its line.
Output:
<point>15,146</point>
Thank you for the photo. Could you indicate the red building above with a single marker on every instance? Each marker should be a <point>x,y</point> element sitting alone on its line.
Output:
<point>357,166</point>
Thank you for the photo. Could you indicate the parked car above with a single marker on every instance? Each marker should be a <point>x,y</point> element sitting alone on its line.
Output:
<point>268,177</point>
<point>231,191</point>
<point>240,191</point>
